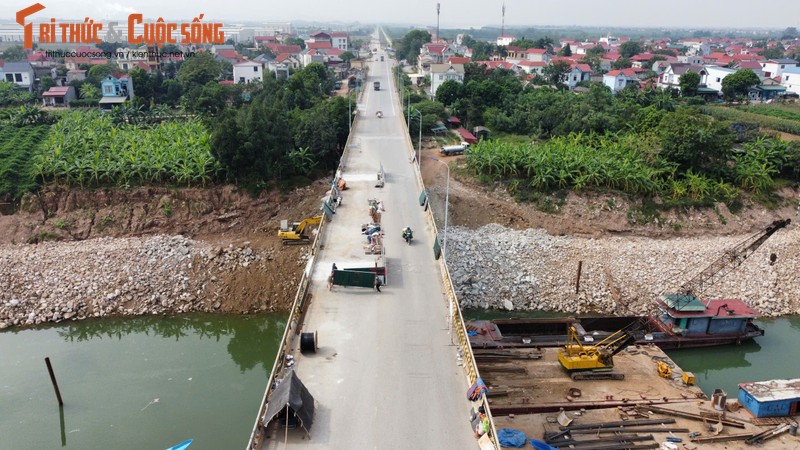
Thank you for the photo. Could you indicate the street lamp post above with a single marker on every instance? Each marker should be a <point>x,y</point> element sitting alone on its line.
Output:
<point>446,204</point>
<point>419,141</point>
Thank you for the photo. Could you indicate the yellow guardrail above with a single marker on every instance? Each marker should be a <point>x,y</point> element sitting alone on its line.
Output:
<point>457,322</point>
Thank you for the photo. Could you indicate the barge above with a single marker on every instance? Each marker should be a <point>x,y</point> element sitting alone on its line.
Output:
<point>683,321</point>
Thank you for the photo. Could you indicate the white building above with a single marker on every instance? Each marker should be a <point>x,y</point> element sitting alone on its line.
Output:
<point>248,72</point>
<point>712,76</point>
<point>19,73</point>
<point>444,72</point>
<point>505,41</point>
<point>340,41</point>
<point>617,80</point>
<point>790,79</point>
<point>775,67</point>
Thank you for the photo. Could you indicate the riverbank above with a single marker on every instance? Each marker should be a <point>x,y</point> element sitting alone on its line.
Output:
<point>55,281</point>
<point>502,268</point>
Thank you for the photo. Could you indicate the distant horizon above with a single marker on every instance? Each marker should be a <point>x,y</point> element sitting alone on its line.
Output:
<point>678,14</point>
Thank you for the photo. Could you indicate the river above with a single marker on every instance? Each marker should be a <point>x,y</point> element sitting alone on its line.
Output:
<point>772,356</point>
<point>137,383</point>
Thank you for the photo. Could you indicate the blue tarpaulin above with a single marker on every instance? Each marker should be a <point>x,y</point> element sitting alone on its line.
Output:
<point>509,438</point>
<point>472,333</point>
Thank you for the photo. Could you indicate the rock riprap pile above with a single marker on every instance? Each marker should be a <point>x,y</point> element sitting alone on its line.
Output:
<point>54,281</point>
<point>497,267</point>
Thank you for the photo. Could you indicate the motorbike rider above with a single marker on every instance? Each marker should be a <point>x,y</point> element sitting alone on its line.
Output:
<point>407,233</point>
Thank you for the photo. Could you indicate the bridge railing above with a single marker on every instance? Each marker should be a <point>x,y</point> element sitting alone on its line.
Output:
<point>299,305</point>
<point>456,322</point>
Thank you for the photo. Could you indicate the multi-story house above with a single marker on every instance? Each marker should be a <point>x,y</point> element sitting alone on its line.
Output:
<point>444,72</point>
<point>248,72</point>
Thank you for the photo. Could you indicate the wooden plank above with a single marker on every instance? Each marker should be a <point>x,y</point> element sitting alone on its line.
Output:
<point>688,415</point>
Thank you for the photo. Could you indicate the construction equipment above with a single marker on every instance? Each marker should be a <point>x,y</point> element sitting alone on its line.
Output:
<point>295,235</point>
<point>663,369</point>
<point>730,260</point>
<point>593,362</point>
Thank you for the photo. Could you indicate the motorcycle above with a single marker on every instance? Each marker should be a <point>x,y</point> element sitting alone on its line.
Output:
<point>379,114</point>
<point>408,235</point>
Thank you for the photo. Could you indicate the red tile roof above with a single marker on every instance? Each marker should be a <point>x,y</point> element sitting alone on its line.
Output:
<point>536,51</point>
<point>280,48</point>
<point>318,45</point>
<point>56,91</point>
<point>624,72</point>
<point>266,38</point>
<point>467,136</point>
<point>339,35</point>
<point>458,60</point>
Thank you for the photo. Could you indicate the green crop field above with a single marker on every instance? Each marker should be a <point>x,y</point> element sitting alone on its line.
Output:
<point>18,146</point>
<point>88,149</point>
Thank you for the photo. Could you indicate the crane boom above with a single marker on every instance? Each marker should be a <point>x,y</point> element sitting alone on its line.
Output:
<point>730,260</point>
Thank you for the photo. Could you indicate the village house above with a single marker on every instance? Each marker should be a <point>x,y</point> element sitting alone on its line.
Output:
<point>775,67</point>
<point>670,79</point>
<point>76,75</point>
<point>712,76</point>
<point>444,72</point>
<point>340,41</point>
<point>577,74</point>
<point>248,72</point>
<point>20,73</point>
<point>58,96</point>
<point>790,79</point>
<point>617,80</point>
<point>115,91</point>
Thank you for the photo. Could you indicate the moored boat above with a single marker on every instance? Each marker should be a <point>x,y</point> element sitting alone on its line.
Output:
<point>683,321</point>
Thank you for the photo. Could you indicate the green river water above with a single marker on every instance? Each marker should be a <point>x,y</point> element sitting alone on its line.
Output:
<point>772,356</point>
<point>152,382</point>
<point>137,383</point>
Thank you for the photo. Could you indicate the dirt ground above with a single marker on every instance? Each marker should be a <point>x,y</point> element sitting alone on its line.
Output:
<point>221,216</point>
<point>589,215</point>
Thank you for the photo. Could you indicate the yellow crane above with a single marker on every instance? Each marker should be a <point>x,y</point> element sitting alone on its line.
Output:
<point>576,357</point>
<point>295,234</point>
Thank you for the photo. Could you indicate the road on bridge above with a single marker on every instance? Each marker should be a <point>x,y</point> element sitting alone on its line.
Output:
<point>386,374</point>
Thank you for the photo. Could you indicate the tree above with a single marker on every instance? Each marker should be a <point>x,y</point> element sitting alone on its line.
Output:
<point>738,84</point>
<point>594,62</point>
<point>108,47</point>
<point>688,83</point>
<point>773,53</point>
<point>556,72</point>
<point>143,87</point>
<point>97,73</point>
<point>622,63</point>
<point>296,41</point>
<point>630,48</point>
<point>15,53</point>
<point>198,70</point>
<point>790,33</point>
<point>409,45</point>
<point>524,43</point>
<point>449,91</point>
<point>566,51</point>
<point>481,51</point>
<point>90,92</point>
<point>347,56</point>
<point>47,83</point>
<point>597,50</point>
<point>692,140</point>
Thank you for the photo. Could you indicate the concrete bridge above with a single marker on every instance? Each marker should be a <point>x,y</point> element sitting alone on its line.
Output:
<point>391,369</point>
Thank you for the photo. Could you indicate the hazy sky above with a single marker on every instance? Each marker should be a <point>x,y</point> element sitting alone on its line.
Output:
<point>454,13</point>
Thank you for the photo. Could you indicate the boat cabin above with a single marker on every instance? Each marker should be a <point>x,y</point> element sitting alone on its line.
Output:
<point>687,315</point>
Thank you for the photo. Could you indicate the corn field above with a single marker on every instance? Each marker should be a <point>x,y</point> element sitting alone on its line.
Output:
<point>88,149</point>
